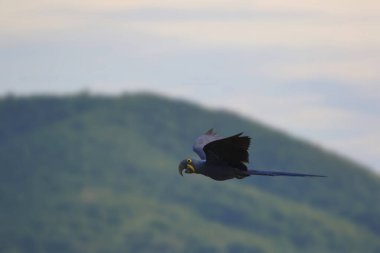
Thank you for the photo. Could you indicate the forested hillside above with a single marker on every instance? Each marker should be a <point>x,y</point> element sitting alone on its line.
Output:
<point>99,174</point>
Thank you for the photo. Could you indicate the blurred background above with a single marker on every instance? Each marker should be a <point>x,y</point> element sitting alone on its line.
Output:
<point>88,154</point>
<point>308,68</point>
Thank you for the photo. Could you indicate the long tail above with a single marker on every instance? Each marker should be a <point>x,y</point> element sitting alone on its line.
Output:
<point>279,173</point>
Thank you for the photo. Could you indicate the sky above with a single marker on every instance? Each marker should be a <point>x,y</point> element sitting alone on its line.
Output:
<point>310,68</point>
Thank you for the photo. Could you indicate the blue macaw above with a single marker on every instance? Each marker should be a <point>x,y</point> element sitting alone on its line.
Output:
<point>225,158</point>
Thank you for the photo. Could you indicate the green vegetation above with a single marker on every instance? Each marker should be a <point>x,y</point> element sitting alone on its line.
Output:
<point>99,174</point>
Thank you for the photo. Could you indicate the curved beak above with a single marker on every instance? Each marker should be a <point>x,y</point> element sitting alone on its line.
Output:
<point>181,167</point>
<point>184,166</point>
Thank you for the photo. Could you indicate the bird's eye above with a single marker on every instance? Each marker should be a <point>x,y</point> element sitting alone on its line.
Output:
<point>188,160</point>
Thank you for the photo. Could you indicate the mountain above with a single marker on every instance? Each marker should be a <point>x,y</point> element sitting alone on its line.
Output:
<point>99,174</point>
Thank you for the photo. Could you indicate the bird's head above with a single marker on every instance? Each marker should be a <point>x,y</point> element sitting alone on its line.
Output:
<point>187,166</point>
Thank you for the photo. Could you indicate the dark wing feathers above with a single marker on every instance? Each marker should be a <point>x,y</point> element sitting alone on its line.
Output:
<point>233,150</point>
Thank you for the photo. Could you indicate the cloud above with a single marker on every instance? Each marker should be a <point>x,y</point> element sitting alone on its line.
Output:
<point>26,15</point>
<point>361,74</point>
<point>264,33</point>
<point>333,6</point>
<point>309,67</point>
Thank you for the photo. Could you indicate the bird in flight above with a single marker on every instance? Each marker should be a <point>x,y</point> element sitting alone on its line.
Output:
<point>225,158</point>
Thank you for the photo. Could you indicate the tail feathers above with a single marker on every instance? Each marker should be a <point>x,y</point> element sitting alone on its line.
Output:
<point>279,173</point>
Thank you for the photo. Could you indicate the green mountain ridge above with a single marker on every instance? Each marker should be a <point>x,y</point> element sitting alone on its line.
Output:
<point>98,174</point>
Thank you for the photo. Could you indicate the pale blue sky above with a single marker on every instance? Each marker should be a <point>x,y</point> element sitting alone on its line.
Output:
<point>310,68</point>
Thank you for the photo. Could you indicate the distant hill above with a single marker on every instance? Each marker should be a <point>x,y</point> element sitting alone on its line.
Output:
<point>99,174</point>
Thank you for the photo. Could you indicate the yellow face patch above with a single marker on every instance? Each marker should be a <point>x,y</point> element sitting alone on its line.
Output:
<point>190,166</point>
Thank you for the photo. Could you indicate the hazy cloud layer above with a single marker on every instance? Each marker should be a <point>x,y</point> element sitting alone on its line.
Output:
<point>309,67</point>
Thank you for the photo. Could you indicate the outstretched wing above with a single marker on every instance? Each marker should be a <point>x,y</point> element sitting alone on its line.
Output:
<point>232,150</point>
<point>202,141</point>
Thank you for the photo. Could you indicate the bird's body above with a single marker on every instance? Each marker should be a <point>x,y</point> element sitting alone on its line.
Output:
<point>225,158</point>
<point>217,172</point>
